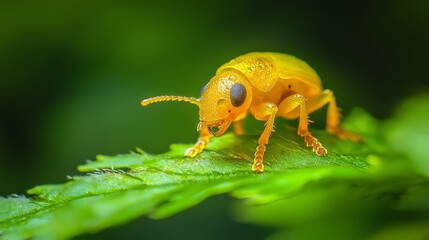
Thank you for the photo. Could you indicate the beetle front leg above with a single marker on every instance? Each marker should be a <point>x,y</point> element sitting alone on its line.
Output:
<point>201,143</point>
<point>265,112</point>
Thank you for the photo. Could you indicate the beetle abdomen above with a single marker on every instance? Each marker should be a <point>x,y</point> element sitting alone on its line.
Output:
<point>294,69</point>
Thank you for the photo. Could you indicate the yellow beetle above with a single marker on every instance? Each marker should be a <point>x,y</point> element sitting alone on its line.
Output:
<point>266,85</point>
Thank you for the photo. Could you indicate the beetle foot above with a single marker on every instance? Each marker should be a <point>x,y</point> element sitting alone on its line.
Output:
<point>198,147</point>
<point>258,165</point>
<point>315,144</point>
<point>192,152</point>
<point>345,135</point>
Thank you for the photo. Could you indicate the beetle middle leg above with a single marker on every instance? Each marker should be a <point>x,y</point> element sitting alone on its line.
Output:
<point>288,105</point>
<point>264,112</point>
<point>238,127</point>
<point>238,124</point>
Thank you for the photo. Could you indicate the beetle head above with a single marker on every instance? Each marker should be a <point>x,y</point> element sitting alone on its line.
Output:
<point>223,99</point>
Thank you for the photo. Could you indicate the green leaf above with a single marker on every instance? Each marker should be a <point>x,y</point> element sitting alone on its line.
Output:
<point>118,189</point>
<point>390,201</point>
<point>408,132</point>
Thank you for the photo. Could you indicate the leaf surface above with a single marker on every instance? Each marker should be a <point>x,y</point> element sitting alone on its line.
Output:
<point>118,189</point>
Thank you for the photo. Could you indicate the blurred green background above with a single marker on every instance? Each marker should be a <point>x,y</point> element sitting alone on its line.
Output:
<point>72,75</point>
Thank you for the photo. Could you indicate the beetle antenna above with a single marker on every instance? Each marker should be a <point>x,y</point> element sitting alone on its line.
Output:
<point>151,100</point>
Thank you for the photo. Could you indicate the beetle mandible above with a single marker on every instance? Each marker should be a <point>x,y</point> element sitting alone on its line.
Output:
<point>266,85</point>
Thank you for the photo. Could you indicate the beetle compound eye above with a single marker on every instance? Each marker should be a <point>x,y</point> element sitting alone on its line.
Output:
<point>238,94</point>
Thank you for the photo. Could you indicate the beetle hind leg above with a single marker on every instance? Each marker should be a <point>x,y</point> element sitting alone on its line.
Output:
<point>333,123</point>
<point>333,115</point>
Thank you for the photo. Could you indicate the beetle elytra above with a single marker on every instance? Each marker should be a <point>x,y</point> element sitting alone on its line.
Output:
<point>266,85</point>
